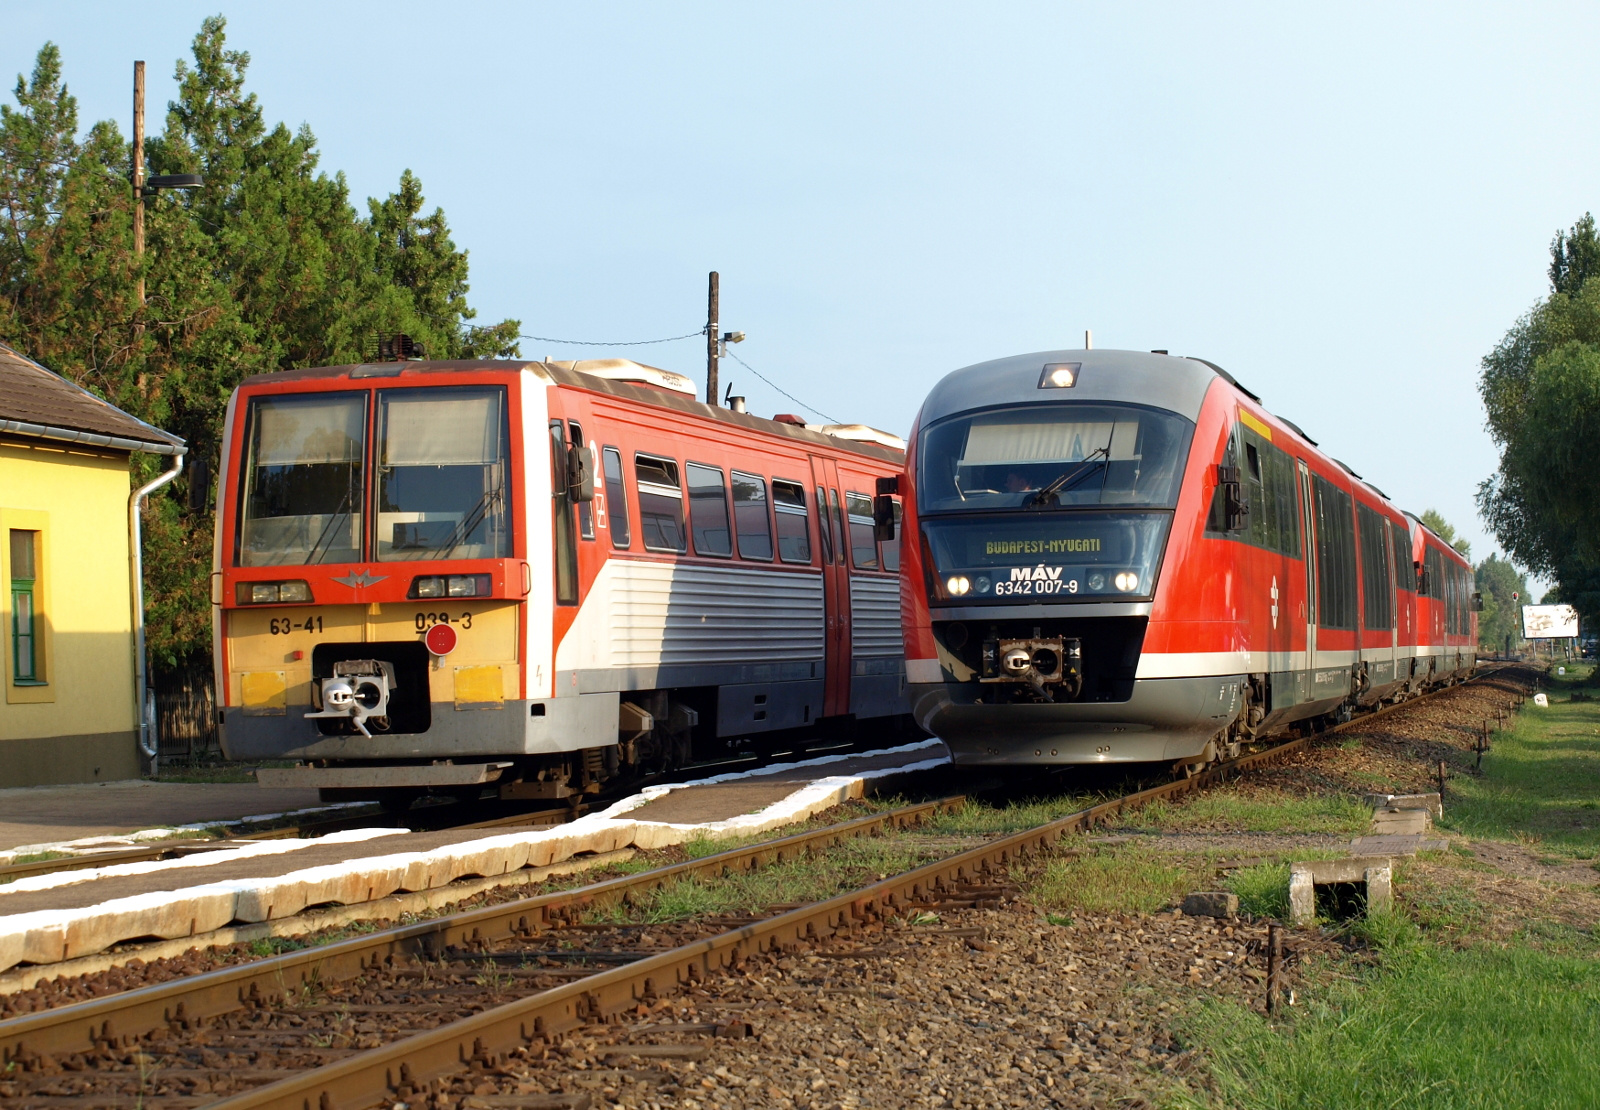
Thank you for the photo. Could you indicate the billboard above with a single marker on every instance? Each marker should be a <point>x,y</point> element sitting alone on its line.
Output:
<point>1549,622</point>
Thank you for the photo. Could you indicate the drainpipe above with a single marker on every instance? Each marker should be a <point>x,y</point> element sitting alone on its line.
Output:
<point>144,705</point>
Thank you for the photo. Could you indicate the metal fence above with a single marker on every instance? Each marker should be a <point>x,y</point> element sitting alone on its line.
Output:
<point>186,718</point>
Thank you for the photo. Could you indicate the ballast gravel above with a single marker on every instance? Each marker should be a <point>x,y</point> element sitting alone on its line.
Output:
<point>994,1008</point>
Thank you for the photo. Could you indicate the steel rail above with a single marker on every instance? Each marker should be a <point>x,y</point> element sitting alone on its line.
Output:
<point>410,1063</point>
<point>114,1018</point>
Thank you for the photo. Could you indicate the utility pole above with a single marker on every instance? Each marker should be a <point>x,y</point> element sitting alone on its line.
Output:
<point>138,174</point>
<point>711,341</point>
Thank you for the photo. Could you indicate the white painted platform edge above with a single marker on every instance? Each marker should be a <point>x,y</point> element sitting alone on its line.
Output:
<point>50,936</point>
<point>245,850</point>
<point>109,841</point>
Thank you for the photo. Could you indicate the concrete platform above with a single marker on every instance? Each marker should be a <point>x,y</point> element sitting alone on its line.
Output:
<point>69,915</point>
<point>38,816</point>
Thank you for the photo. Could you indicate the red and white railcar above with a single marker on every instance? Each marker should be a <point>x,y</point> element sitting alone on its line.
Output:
<point>1114,556</point>
<point>441,575</point>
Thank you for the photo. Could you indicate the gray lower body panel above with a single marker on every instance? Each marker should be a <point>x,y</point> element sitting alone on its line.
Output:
<point>758,707</point>
<point>1166,720</point>
<point>543,727</point>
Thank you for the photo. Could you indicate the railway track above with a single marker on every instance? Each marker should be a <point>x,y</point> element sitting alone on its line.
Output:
<point>391,1016</point>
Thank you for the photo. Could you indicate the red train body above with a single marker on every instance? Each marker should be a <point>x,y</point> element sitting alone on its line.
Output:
<point>440,576</point>
<point>1123,557</point>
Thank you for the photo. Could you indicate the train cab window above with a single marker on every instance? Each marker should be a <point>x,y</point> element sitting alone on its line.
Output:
<point>789,514</point>
<point>863,545</point>
<point>1405,577</point>
<point>1377,595</point>
<point>616,498</point>
<point>750,518</point>
<point>441,480</point>
<point>891,548</point>
<point>708,511</point>
<point>301,498</point>
<point>660,504</point>
<point>585,509</point>
<point>1336,557</point>
<point>825,526</point>
<point>1252,459</point>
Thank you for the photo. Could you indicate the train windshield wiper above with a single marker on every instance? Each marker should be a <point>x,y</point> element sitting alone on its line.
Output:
<point>1049,495</point>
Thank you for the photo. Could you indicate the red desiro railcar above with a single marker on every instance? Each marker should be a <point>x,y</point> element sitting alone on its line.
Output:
<point>1114,556</point>
<point>539,575</point>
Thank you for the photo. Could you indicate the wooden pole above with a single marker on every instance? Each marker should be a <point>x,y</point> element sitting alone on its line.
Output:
<point>712,323</point>
<point>1274,964</point>
<point>138,175</point>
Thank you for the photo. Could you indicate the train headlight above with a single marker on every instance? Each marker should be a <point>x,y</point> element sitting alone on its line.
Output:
<point>1127,581</point>
<point>958,585</point>
<point>454,585</point>
<point>272,593</point>
<point>1097,581</point>
<point>1060,375</point>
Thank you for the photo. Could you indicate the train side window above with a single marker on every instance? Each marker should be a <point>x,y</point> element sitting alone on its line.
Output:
<point>891,548</point>
<point>616,498</point>
<point>1336,563</point>
<point>1216,525</point>
<point>1432,565</point>
<point>585,510</point>
<point>660,504</point>
<point>750,518</point>
<point>824,526</point>
<point>789,513</point>
<point>1377,595</point>
<point>863,544</point>
<point>1252,458</point>
<point>841,535</point>
<point>1405,577</point>
<point>561,508</point>
<point>708,511</point>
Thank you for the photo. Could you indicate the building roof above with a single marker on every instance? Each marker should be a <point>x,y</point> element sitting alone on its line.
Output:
<point>40,404</point>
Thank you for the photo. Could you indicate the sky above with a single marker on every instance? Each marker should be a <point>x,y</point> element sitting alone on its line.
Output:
<point>1346,206</point>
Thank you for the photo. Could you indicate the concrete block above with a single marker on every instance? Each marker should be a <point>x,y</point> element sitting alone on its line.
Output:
<point>1375,873</point>
<point>1212,903</point>
<point>1429,802</point>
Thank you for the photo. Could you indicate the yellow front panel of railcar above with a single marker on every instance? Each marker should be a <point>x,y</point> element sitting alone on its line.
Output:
<point>263,645</point>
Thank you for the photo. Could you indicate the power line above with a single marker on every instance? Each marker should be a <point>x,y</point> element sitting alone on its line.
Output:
<point>780,389</point>
<point>597,343</point>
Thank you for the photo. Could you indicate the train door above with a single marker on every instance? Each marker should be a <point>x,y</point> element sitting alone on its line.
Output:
<point>1308,540</point>
<point>834,552</point>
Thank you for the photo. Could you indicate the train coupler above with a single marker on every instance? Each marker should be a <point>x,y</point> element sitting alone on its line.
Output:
<point>1047,665</point>
<point>357,691</point>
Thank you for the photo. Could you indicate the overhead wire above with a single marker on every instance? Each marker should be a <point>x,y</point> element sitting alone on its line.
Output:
<point>675,339</point>
<point>598,343</point>
<point>780,389</point>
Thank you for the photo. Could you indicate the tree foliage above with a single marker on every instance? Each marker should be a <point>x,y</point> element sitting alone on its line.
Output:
<point>269,267</point>
<point>1541,393</point>
<point>1505,590</point>
<point>1447,532</point>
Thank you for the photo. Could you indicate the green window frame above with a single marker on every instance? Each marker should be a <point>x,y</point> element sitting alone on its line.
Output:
<point>24,607</point>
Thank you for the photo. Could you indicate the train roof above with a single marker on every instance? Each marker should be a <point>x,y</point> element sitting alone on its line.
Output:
<point>666,394</point>
<point>1135,377</point>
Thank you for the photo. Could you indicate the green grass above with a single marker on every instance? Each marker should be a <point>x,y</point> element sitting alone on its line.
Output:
<point>1481,1028</point>
<point>1133,879</point>
<point>1244,809</point>
<point>1541,780</point>
<point>976,819</point>
<point>809,879</point>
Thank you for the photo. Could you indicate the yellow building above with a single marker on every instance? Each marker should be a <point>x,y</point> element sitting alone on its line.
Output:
<point>71,640</point>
